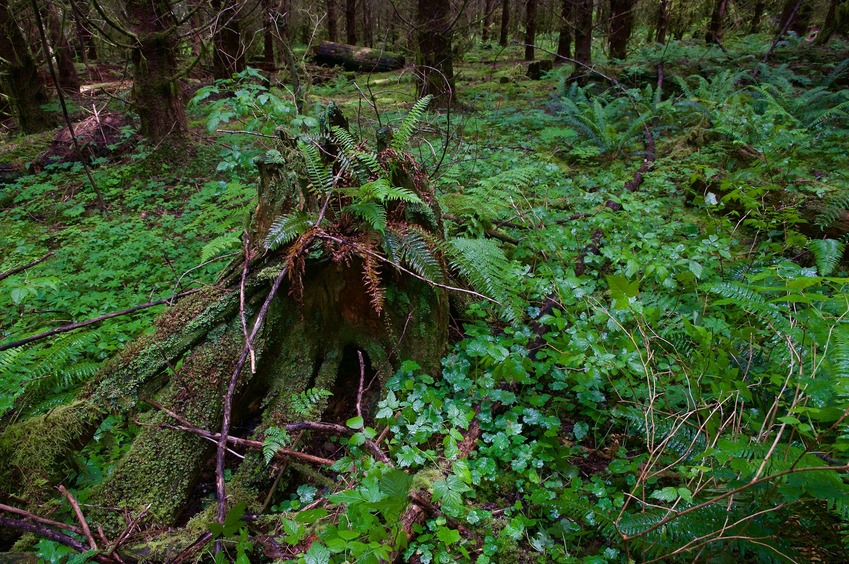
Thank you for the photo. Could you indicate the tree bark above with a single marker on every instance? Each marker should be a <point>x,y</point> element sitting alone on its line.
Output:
<point>583,38</point>
<point>799,17</point>
<point>488,8</point>
<point>228,54</point>
<point>368,23</point>
<point>833,23</point>
<point>351,21</point>
<point>564,40</point>
<point>357,58</point>
<point>19,77</point>
<point>269,30</point>
<point>621,24</point>
<point>714,32</point>
<point>434,57</point>
<point>69,81</point>
<point>85,38</point>
<point>157,94</point>
<point>662,21</point>
<point>757,16</point>
<point>332,21</point>
<point>505,23</point>
<point>530,29</point>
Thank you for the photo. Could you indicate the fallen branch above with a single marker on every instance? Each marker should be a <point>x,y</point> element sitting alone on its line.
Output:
<point>80,517</point>
<point>55,536</point>
<point>14,271</point>
<point>337,429</point>
<point>42,520</point>
<point>86,323</point>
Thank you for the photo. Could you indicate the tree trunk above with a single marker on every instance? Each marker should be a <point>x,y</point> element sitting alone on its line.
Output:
<point>228,55</point>
<point>796,15</point>
<point>621,24</point>
<point>564,40</point>
<point>662,21</point>
<point>714,32</point>
<point>530,29</point>
<point>86,47</point>
<point>157,94</point>
<point>757,16</point>
<point>351,21</point>
<point>505,23</point>
<point>69,81</point>
<point>368,23</point>
<point>583,39</point>
<point>332,21</point>
<point>488,9</point>
<point>836,21</point>
<point>269,30</point>
<point>19,77</point>
<point>355,58</point>
<point>434,58</point>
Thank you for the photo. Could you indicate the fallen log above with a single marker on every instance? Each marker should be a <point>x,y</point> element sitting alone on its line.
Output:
<point>353,58</point>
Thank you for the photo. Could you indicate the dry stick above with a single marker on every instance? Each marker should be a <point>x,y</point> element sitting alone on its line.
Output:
<point>778,37</point>
<point>14,271</point>
<point>72,326</point>
<point>242,299</point>
<point>46,48</point>
<point>340,430</point>
<point>42,520</point>
<point>80,517</point>
<point>55,536</point>
<point>362,381</point>
<point>220,487</point>
<point>192,548</point>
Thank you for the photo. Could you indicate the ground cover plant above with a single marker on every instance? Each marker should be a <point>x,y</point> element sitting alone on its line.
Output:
<point>642,276</point>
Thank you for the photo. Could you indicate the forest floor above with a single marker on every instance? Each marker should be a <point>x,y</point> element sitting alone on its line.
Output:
<point>664,376</point>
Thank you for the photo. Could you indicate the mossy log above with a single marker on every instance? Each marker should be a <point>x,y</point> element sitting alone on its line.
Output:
<point>320,332</point>
<point>353,58</point>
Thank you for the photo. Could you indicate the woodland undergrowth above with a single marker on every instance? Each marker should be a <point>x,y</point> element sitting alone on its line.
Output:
<point>666,376</point>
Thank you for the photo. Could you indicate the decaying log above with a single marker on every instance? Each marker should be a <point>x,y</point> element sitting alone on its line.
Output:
<point>353,58</point>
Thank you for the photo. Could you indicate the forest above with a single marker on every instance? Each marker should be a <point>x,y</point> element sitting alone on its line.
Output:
<point>435,281</point>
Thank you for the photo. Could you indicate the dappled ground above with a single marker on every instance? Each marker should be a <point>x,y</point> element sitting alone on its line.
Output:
<point>664,376</point>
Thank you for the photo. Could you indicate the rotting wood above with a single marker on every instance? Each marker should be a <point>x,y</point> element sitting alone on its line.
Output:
<point>353,58</point>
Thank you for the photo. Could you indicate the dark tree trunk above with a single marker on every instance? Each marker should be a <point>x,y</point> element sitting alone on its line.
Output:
<point>714,32</point>
<point>434,57</point>
<point>564,40</point>
<point>356,58</point>
<point>832,23</point>
<point>757,16</point>
<point>621,24</point>
<point>662,22</point>
<point>583,38</point>
<point>530,29</point>
<point>505,23</point>
<point>228,54</point>
<point>368,23</point>
<point>69,81</point>
<point>269,30</point>
<point>332,21</point>
<point>85,38</point>
<point>19,77</point>
<point>488,9</point>
<point>351,21</point>
<point>157,94</point>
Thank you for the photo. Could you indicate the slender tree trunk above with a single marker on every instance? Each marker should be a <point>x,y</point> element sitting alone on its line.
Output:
<point>832,22</point>
<point>368,23</point>
<point>332,21</point>
<point>757,16</point>
<point>621,24</point>
<point>488,9</point>
<point>228,56</point>
<point>434,56</point>
<point>583,38</point>
<point>269,30</point>
<point>157,94</point>
<point>69,81</point>
<point>351,21</point>
<point>505,23</point>
<point>714,32</point>
<point>564,41</point>
<point>85,38</point>
<point>19,77</point>
<point>662,22</point>
<point>530,29</point>
<point>790,14</point>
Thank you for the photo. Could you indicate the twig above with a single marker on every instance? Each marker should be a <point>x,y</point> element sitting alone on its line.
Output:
<point>55,536</point>
<point>362,381</point>
<point>192,548</point>
<point>80,517</point>
<point>340,430</point>
<point>14,271</point>
<point>72,326</point>
<point>242,300</point>
<point>42,520</point>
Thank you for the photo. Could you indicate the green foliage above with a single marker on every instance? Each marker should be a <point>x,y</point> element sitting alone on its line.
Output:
<point>275,439</point>
<point>402,136</point>
<point>827,254</point>
<point>308,404</point>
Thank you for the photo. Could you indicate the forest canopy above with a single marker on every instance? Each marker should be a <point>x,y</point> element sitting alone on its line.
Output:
<point>433,281</point>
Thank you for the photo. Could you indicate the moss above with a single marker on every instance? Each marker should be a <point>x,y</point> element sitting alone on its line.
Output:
<point>36,450</point>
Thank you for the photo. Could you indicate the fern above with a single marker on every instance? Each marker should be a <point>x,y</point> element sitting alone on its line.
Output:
<point>410,247</point>
<point>220,244</point>
<point>827,254</point>
<point>320,175</point>
<point>286,229</point>
<point>307,404</point>
<point>483,263</point>
<point>275,439</point>
<point>405,131</point>
<point>372,213</point>
<point>836,204</point>
<point>363,163</point>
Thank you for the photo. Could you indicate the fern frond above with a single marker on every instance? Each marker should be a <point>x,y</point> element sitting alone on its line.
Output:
<point>827,254</point>
<point>217,246</point>
<point>405,130</point>
<point>308,403</point>
<point>372,213</point>
<point>286,229</point>
<point>371,281</point>
<point>320,176</point>
<point>275,439</point>
<point>413,251</point>
<point>483,263</point>
<point>836,204</point>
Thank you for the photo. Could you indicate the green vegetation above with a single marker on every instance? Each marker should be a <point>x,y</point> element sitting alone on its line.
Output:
<point>661,374</point>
